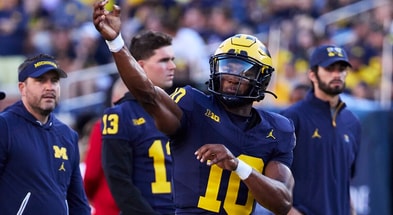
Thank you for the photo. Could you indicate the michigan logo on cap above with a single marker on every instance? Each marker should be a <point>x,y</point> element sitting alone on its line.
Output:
<point>335,51</point>
<point>41,63</point>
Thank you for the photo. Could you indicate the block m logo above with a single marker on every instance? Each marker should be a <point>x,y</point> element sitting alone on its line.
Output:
<point>60,152</point>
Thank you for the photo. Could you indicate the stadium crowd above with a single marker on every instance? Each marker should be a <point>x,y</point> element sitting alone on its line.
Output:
<point>291,29</point>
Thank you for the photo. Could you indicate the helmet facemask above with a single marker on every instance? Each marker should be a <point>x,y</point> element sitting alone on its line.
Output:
<point>238,80</point>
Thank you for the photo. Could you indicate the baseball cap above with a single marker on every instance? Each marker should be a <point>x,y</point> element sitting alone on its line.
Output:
<point>40,67</point>
<point>2,95</point>
<point>326,55</point>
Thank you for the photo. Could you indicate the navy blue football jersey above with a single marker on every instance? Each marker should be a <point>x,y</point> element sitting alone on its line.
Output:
<point>212,189</point>
<point>151,160</point>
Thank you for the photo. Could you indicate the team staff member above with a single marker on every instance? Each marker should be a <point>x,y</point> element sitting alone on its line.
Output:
<point>328,138</point>
<point>39,155</point>
<point>136,156</point>
<point>225,152</point>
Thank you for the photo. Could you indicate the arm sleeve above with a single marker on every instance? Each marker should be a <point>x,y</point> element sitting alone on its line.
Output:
<point>117,164</point>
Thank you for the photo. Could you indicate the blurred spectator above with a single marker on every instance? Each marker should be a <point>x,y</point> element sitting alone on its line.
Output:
<point>295,43</point>
<point>195,17</point>
<point>38,23</point>
<point>90,48</point>
<point>221,24</point>
<point>78,48</point>
<point>362,90</point>
<point>298,93</point>
<point>139,15</point>
<point>367,73</point>
<point>13,40</point>
<point>70,13</point>
<point>62,47</point>
<point>13,28</point>
<point>192,59</point>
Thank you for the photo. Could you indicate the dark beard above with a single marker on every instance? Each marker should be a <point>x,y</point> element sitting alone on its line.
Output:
<point>329,90</point>
<point>45,112</point>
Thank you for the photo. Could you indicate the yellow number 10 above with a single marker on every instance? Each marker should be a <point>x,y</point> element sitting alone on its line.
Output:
<point>210,202</point>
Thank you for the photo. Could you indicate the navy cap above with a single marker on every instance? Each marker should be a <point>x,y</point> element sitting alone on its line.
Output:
<point>326,55</point>
<point>2,95</point>
<point>40,67</point>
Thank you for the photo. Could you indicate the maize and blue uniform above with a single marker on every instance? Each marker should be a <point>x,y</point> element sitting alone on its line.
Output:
<point>201,189</point>
<point>136,159</point>
<point>324,156</point>
<point>39,166</point>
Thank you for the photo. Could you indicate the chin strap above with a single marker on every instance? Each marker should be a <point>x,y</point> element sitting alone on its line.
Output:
<point>271,93</point>
<point>261,97</point>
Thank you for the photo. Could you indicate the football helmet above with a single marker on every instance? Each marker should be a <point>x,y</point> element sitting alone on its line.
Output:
<point>240,70</point>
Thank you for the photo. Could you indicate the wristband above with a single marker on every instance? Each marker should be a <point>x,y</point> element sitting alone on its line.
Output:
<point>116,44</point>
<point>243,170</point>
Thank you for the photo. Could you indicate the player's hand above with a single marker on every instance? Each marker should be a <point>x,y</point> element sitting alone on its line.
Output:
<point>217,154</point>
<point>106,22</point>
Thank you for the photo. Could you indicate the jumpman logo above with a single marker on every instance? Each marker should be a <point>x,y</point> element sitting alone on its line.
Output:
<point>316,134</point>
<point>62,168</point>
<point>271,135</point>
